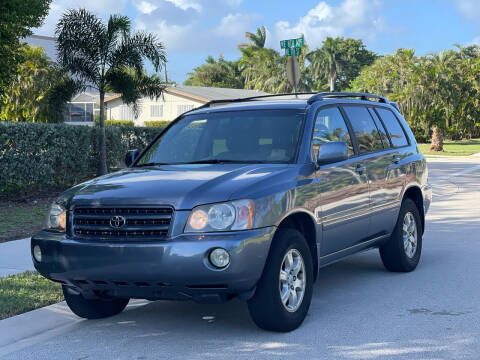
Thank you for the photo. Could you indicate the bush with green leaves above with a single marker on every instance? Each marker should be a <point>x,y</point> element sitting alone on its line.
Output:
<point>37,156</point>
<point>120,122</point>
<point>157,123</point>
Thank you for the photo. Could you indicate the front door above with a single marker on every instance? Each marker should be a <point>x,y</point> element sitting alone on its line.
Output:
<point>344,210</point>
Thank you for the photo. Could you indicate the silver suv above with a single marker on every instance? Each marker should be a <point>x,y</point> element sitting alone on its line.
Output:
<point>249,199</point>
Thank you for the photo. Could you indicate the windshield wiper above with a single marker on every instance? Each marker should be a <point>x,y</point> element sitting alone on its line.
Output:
<point>218,161</point>
<point>151,164</point>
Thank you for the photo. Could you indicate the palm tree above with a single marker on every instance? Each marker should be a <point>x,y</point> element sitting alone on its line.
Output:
<point>258,38</point>
<point>326,61</point>
<point>109,56</point>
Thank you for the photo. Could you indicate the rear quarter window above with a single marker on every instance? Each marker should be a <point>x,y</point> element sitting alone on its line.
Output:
<point>395,130</point>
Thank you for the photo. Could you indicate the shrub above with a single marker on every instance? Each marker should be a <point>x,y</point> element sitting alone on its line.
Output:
<point>157,123</point>
<point>35,155</point>
<point>120,122</point>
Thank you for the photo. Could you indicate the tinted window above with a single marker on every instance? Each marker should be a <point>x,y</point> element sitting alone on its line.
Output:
<point>235,136</point>
<point>393,127</point>
<point>364,129</point>
<point>381,130</point>
<point>330,126</point>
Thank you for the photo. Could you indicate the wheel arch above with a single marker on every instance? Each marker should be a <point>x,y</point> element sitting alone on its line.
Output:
<point>304,223</point>
<point>415,194</point>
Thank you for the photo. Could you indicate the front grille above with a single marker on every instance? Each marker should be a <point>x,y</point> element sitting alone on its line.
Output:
<point>136,223</point>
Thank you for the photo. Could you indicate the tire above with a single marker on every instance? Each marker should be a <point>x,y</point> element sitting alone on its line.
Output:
<point>266,307</point>
<point>93,309</point>
<point>396,256</point>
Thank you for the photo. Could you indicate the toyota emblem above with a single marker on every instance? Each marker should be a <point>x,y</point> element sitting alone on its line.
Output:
<point>117,221</point>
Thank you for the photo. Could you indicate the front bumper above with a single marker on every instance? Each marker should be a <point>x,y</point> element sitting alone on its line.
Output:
<point>174,269</point>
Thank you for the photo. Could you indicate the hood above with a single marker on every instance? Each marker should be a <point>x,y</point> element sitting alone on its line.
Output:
<point>181,186</point>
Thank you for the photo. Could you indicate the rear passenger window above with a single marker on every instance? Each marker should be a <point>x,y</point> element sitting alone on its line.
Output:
<point>330,126</point>
<point>397,135</point>
<point>364,129</point>
<point>381,130</point>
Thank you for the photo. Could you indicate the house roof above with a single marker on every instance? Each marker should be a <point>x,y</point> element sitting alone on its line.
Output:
<point>204,94</point>
<point>89,97</point>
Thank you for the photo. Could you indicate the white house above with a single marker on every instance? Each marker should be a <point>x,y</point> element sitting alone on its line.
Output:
<point>174,102</point>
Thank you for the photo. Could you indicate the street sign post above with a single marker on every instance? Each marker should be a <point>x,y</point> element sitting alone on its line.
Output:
<point>292,49</point>
<point>293,71</point>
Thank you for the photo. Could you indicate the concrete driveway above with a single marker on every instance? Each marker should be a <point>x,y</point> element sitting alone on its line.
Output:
<point>359,310</point>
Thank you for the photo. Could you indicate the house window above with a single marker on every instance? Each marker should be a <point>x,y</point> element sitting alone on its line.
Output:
<point>126,113</point>
<point>156,110</point>
<point>183,108</point>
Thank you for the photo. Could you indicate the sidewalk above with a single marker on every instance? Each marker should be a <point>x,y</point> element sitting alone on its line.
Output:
<point>15,257</point>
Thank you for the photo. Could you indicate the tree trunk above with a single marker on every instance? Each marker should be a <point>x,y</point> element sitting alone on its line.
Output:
<point>437,140</point>
<point>102,165</point>
<point>331,81</point>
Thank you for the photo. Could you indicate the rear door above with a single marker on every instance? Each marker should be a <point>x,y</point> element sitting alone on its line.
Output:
<point>387,176</point>
<point>343,186</point>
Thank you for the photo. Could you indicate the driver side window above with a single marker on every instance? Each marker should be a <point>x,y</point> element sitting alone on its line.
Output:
<point>330,126</point>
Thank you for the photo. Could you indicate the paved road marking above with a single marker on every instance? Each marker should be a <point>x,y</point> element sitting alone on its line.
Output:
<point>459,173</point>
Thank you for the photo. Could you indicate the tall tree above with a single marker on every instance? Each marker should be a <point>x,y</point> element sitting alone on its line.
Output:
<point>258,38</point>
<point>439,89</point>
<point>338,62</point>
<point>39,91</point>
<point>221,73</point>
<point>17,17</point>
<point>109,55</point>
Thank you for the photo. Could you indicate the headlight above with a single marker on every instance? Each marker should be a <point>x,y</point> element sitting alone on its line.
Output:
<point>57,218</point>
<point>234,215</point>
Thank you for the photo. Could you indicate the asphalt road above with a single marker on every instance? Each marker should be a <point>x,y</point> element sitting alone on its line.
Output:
<point>359,310</point>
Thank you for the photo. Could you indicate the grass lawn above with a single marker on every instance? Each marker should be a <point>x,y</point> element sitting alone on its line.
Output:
<point>454,148</point>
<point>21,218</point>
<point>27,291</point>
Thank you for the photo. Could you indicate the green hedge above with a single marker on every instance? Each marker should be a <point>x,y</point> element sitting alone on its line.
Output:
<point>120,122</point>
<point>34,155</point>
<point>157,123</point>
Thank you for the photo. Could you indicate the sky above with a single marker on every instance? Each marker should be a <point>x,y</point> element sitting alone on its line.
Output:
<point>191,30</point>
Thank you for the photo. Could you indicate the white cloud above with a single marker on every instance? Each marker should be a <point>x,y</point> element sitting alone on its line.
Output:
<point>357,18</point>
<point>100,7</point>
<point>145,7</point>
<point>186,4</point>
<point>214,26</point>
<point>235,25</point>
<point>476,41</point>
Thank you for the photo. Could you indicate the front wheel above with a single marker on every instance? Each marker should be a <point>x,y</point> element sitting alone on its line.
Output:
<point>95,308</point>
<point>284,292</point>
<point>402,252</point>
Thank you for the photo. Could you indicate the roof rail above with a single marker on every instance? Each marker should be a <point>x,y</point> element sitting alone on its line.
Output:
<point>329,95</point>
<point>317,96</point>
<point>228,101</point>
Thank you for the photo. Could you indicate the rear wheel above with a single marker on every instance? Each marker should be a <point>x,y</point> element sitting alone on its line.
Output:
<point>284,292</point>
<point>95,308</point>
<point>403,250</point>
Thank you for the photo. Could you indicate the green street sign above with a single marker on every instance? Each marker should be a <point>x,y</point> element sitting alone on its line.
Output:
<point>292,51</point>
<point>292,43</point>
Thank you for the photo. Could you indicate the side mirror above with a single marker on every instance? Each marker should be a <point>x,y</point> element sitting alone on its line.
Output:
<point>332,152</point>
<point>131,156</point>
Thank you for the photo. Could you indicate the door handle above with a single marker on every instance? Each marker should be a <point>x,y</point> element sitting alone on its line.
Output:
<point>395,159</point>
<point>360,168</point>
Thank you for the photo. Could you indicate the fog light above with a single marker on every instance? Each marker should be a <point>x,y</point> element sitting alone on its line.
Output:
<point>219,258</point>
<point>37,253</point>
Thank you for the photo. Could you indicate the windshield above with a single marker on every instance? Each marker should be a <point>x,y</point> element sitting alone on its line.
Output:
<point>260,136</point>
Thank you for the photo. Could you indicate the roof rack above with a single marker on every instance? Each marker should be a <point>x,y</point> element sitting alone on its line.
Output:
<point>331,95</point>
<point>317,96</point>
<point>228,101</point>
